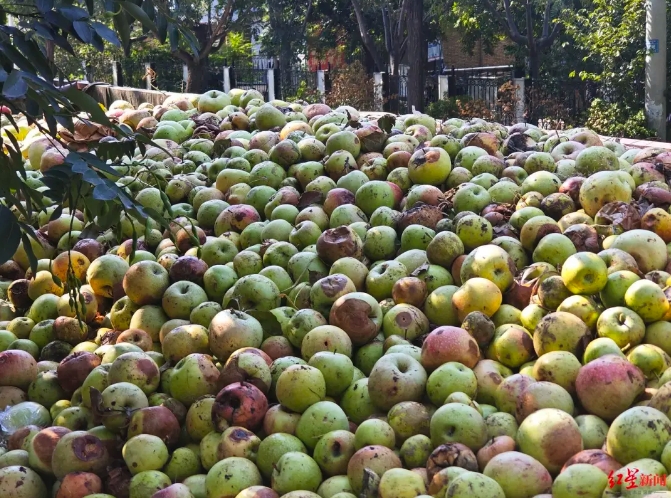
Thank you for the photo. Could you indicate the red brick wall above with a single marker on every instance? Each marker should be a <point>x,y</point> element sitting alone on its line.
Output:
<point>455,54</point>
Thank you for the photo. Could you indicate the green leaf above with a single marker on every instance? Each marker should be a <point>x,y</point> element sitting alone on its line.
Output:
<point>109,218</point>
<point>15,86</point>
<point>173,37</point>
<point>97,42</point>
<point>44,5</point>
<point>87,104</point>
<point>148,8</point>
<point>32,51</point>
<point>16,57</point>
<point>106,33</point>
<point>57,19</point>
<point>10,234</point>
<point>83,30</point>
<point>122,26</point>
<point>73,13</point>
<point>63,43</point>
<point>57,213</point>
<point>28,247</point>
<point>104,193</point>
<point>162,28</point>
<point>138,14</point>
<point>43,30</point>
<point>190,39</point>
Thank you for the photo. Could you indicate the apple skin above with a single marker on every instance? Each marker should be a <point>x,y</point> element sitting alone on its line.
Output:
<point>238,442</point>
<point>105,275</point>
<point>609,378</point>
<point>123,394</point>
<point>359,314</point>
<point>157,421</point>
<point>180,299</point>
<point>295,471</point>
<point>68,455</point>
<point>448,378</point>
<point>333,451</point>
<point>374,432</point>
<point>136,368</point>
<point>449,344</point>
<point>272,447</point>
<point>232,475</point>
<point>194,376</point>
<point>584,273</point>
<point>490,262</point>
<point>145,282</point>
<point>231,330</point>
<point>395,378</point>
<point>375,459</point>
<point>279,420</point>
<point>337,369</point>
<point>647,299</point>
<point>145,452</point>
<point>213,101</point>
<point>239,404</point>
<point>300,386</point>
<point>456,422</point>
<point>622,325</point>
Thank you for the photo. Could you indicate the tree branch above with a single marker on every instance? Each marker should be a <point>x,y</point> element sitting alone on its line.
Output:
<point>184,56</point>
<point>546,18</point>
<point>220,30</point>
<point>386,24</point>
<point>140,38</point>
<point>365,36</point>
<point>530,26</point>
<point>545,42</point>
<point>548,36</point>
<point>507,22</point>
<point>307,17</point>
<point>402,48</point>
<point>402,16</point>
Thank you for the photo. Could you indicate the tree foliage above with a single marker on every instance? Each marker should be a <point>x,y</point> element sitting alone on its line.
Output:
<point>33,89</point>
<point>532,25</point>
<point>610,35</point>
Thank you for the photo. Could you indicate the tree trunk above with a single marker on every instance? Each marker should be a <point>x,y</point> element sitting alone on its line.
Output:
<point>285,60</point>
<point>196,81</point>
<point>534,65</point>
<point>417,54</point>
<point>393,63</point>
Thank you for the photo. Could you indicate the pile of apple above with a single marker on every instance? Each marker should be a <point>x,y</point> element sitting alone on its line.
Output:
<point>454,309</point>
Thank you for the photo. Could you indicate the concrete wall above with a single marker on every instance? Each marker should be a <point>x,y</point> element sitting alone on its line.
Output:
<point>106,94</point>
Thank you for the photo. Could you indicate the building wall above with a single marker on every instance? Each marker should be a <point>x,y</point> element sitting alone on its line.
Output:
<point>455,54</point>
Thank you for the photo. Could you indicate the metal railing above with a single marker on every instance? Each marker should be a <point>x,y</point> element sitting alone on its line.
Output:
<point>252,76</point>
<point>479,83</point>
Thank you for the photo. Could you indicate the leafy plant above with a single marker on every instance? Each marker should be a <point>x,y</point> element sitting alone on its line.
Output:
<point>609,33</point>
<point>305,94</point>
<point>352,86</point>
<point>462,106</point>
<point>616,119</point>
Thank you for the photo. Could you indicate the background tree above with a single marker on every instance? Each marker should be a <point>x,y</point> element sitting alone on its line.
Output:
<point>532,25</point>
<point>611,41</point>
<point>288,22</point>
<point>417,55</point>
<point>200,31</point>
<point>407,26</point>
